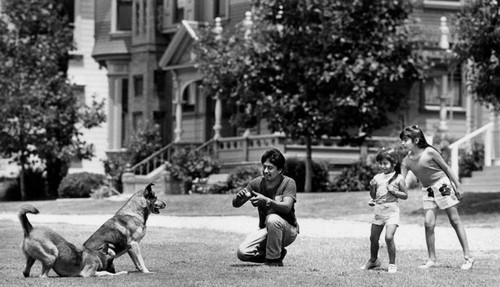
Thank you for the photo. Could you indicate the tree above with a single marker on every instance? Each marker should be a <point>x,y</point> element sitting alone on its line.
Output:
<point>479,45</point>
<point>41,115</point>
<point>314,68</point>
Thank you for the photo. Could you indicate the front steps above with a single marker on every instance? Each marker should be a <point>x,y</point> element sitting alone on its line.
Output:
<point>487,180</point>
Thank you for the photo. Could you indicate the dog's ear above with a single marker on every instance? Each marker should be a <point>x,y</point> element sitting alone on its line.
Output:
<point>148,191</point>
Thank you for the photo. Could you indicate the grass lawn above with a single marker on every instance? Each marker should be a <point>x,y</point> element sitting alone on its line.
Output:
<point>198,257</point>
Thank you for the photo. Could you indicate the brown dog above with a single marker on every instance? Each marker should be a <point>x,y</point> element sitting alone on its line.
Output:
<point>56,253</point>
<point>128,226</point>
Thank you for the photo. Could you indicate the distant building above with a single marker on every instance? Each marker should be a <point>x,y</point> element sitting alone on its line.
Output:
<point>91,81</point>
<point>136,54</point>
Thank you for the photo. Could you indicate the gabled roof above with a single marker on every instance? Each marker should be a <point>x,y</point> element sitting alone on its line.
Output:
<point>178,52</point>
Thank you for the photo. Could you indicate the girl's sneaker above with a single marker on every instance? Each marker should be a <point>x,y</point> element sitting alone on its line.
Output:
<point>467,264</point>
<point>428,264</point>
<point>392,268</point>
<point>371,264</point>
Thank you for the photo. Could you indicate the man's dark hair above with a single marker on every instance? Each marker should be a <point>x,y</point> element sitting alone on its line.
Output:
<point>275,157</point>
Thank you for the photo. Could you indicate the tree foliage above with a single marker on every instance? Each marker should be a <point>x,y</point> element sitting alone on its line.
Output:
<point>41,114</point>
<point>313,68</point>
<point>479,41</point>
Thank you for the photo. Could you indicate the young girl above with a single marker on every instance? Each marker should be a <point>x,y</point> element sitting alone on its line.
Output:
<point>440,188</point>
<point>385,189</point>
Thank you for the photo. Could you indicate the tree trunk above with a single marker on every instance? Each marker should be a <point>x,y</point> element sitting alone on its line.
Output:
<point>56,170</point>
<point>309,170</point>
<point>22,182</point>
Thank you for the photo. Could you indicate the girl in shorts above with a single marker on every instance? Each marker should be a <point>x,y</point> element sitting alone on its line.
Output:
<point>440,190</point>
<point>385,190</point>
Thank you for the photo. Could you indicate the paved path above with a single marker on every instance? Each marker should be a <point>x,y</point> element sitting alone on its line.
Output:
<point>408,236</point>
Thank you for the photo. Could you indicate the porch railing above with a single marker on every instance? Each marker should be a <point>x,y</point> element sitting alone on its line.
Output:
<point>158,158</point>
<point>488,146</point>
<point>249,148</point>
<point>236,150</point>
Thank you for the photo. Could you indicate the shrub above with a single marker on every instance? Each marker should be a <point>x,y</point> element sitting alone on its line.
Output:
<point>296,169</point>
<point>9,189</point>
<point>144,142</point>
<point>36,184</point>
<point>471,160</point>
<point>79,185</point>
<point>241,176</point>
<point>114,167</point>
<point>187,164</point>
<point>356,177</point>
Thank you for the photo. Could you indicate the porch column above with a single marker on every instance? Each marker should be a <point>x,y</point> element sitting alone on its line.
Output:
<point>115,114</point>
<point>496,138</point>
<point>178,108</point>
<point>218,117</point>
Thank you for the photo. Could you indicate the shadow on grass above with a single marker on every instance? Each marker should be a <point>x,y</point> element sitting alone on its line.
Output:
<point>477,202</point>
<point>245,265</point>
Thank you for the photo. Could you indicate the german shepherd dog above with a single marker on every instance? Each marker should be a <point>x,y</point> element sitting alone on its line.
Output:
<point>127,227</point>
<point>56,253</point>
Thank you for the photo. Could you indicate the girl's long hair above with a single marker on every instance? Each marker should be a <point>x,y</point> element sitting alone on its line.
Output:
<point>392,156</point>
<point>414,132</point>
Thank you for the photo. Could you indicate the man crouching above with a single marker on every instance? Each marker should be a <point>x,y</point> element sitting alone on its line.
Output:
<point>274,195</point>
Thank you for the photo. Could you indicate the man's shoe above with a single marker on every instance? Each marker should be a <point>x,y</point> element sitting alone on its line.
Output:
<point>371,264</point>
<point>274,262</point>
<point>428,264</point>
<point>392,268</point>
<point>467,264</point>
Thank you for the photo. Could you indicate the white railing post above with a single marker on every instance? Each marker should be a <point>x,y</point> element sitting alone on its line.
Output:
<point>488,146</point>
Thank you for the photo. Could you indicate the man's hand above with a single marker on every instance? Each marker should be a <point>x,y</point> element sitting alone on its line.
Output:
<point>241,197</point>
<point>244,194</point>
<point>258,199</point>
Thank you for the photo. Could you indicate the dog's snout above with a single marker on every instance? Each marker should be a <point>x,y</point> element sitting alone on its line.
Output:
<point>160,204</point>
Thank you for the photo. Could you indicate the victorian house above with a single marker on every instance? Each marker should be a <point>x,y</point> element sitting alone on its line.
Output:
<point>145,48</point>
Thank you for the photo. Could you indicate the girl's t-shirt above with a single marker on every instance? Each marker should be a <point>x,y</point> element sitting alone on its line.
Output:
<point>382,194</point>
<point>425,168</point>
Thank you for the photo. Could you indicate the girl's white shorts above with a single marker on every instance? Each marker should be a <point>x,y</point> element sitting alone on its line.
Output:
<point>439,200</point>
<point>386,213</point>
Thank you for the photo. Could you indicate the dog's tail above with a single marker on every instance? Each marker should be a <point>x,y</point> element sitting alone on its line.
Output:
<point>27,208</point>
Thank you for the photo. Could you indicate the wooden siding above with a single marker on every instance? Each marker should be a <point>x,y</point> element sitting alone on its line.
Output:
<point>85,71</point>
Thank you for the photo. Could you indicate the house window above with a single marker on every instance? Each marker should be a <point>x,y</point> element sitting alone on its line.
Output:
<point>189,98</point>
<point>123,15</point>
<point>69,11</point>
<point>174,11</point>
<point>124,110</point>
<point>180,5</point>
<point>138,85</point>
<point>137,119</point>
<point>433,90</point>
<point>221,9</point>
<point>79,93</point>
